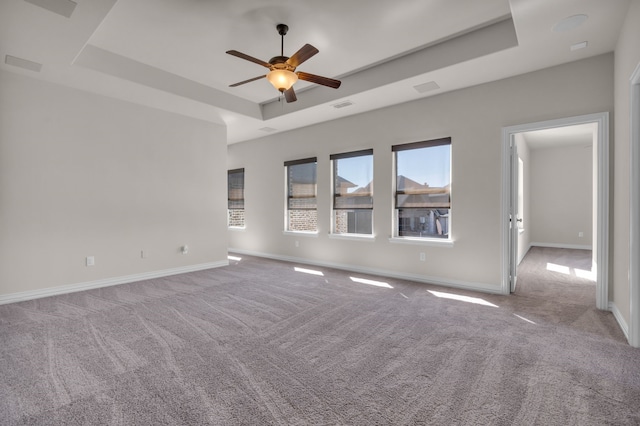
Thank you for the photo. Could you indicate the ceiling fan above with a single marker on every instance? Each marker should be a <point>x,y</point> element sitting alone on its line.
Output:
<point>282,69</point>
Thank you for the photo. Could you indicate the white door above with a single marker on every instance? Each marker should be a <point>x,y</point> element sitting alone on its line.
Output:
<point>514,216</point>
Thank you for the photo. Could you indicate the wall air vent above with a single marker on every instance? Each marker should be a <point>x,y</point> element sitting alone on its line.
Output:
<point>342,104</point>
<point>22,63</point>
<point>61,7</point>
<point>268,129</point>
<point>426,87</point>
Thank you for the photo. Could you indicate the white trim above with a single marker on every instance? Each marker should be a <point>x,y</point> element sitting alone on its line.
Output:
<point>300,233</point>
<point>620,319</point>
<point>465,285</point>
<point>354,237</point>
<point>602,224</point>
<point>237,228</point>
<point>561,245</point>
<point>634,211</point>
<point>433,242</point>
<point>505,209</point>
<point>602,237</point>
<point>106,282</point>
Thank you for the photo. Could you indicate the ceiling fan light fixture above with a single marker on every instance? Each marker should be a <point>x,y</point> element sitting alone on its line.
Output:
<point>281,68</point>
<point>282,79</point>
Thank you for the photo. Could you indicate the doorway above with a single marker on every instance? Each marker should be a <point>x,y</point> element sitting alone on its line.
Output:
<point>512,218</point>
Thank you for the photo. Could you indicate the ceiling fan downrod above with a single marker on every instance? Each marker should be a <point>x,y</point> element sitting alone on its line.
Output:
<point>282,30</point>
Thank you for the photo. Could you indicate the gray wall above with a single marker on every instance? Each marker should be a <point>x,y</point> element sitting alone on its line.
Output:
<point>561,196</point>
<point>85,175</point>
<point>472,117</point>
<point>627,58</point>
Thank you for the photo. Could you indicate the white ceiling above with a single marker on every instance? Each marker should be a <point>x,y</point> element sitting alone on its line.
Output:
<point>578,135</point>
<point>170,54</point>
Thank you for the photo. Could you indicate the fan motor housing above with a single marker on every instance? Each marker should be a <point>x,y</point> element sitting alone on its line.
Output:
<point>280,62</point>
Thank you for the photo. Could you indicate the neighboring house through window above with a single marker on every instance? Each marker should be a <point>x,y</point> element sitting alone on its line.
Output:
<point>235,198</point>
<point>353,192</point>
<point>423,189</point>
<point>302,207</point>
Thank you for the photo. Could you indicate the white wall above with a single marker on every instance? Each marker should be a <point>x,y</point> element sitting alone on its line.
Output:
<point>561,196</point>
<point>627,58</point>
<point>472,117</point>
<point>85,175</point>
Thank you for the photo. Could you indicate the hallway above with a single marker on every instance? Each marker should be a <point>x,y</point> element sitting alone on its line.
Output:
<point>559,285</point>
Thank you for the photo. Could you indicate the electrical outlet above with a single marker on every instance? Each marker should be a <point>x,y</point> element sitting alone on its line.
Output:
<point>297,244</point>
<point>144,254</point>
<point>91,260</point>
<point>580,234</point>
<point>185,249</point>
<point>423,257</point>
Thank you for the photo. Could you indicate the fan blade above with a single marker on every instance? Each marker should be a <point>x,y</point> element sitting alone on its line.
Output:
<point>249,58</point>
<point>302,55</point>
<point>290,95</point>
<point>325,81</point>
<point>247,81</point>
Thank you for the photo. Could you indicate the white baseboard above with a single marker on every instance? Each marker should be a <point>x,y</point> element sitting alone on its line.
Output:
<point>558,245</point>
<point>481,287</point>
<point>54,291</point>
<point>618,316</point>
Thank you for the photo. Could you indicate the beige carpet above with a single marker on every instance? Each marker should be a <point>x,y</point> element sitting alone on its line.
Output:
<point>259,343</point>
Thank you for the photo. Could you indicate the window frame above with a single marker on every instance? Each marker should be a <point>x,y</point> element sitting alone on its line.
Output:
<point>289,197</point>
<point>335,196</point>
<point>426,240</point>
<point>230,200</point>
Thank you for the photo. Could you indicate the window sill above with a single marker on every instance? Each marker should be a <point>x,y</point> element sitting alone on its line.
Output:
<point>237,228</point>
<point>354,237</point>
<point>434,242</point>
<point>301,233</point>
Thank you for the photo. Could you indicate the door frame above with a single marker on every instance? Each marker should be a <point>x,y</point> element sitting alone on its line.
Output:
<point>514,232</point>
<point>601,149</point>
<point>634,211</point>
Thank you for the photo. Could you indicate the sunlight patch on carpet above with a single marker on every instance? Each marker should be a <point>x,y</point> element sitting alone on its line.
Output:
<point>558,268</point>
<point>467,299</point>
<point>565,270</point>
<point>308,271</point>
<point>588,275</point>
<point>370,282</point>
<point>524,319</point>
<point>234,258</point>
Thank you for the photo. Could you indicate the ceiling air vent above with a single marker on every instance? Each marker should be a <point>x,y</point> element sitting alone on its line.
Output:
<point>22,63</point>
<point>342,104</point>
<point>426,87</point>
<point>579,46</point>
<point>61,7</point>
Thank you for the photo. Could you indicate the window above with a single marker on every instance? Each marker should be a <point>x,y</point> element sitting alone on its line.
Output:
<point>235,198</point>
<point>353,192</point>
<point>302,213</point>
<point>423,189</point>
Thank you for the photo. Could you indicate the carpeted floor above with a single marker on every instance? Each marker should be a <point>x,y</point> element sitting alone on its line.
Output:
<point>259,343</point>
